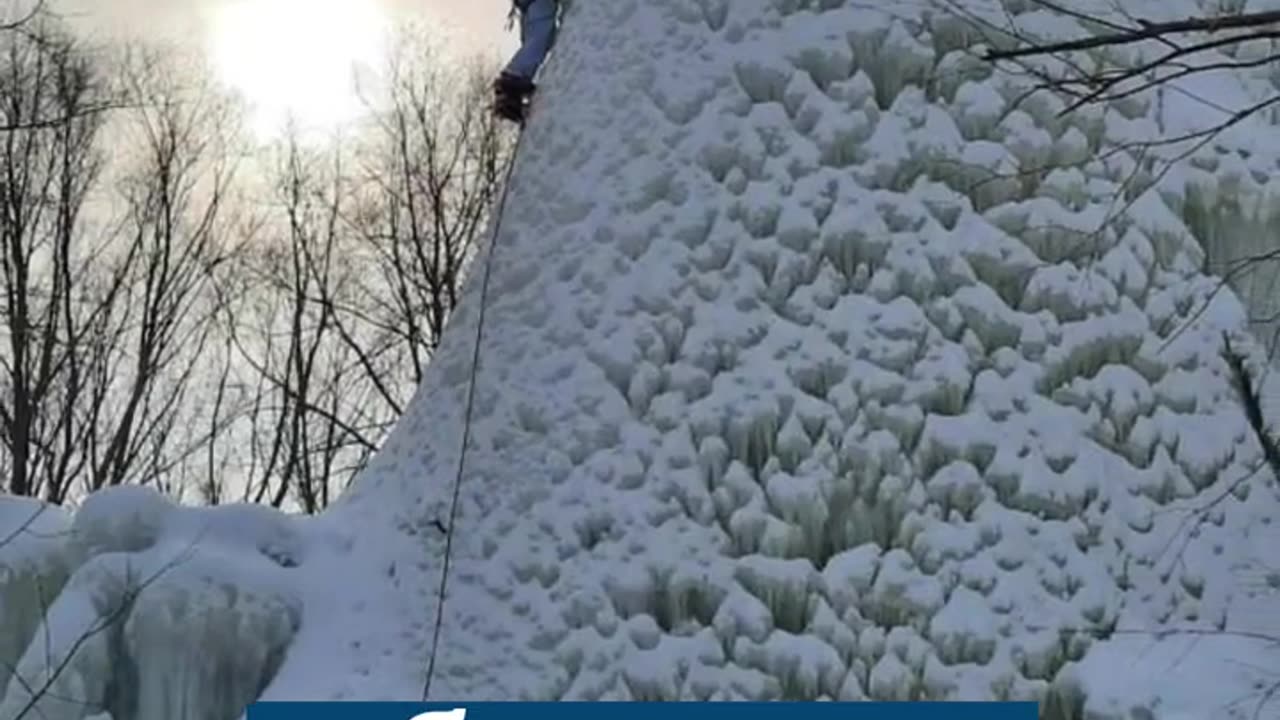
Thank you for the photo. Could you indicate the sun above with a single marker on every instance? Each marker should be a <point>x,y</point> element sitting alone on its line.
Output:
<point>298,60</point>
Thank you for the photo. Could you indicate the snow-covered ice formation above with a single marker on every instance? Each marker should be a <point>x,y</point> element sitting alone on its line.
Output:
<point>148,610</point>
<point>818,364</point>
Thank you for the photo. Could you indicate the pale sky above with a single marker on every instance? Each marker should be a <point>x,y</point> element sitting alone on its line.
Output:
<point>295,56</point>
<point>476,22</point>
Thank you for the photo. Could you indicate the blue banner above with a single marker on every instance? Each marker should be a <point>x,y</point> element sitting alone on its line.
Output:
<point>643,711</point>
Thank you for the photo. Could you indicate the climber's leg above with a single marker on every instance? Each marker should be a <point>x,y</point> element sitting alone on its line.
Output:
<point>537,35</point>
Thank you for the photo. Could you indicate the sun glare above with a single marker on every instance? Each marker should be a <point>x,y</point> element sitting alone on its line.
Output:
<point>298,59</point>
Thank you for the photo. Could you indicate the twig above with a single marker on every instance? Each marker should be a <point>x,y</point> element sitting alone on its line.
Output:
<point>1251,400</point>
<point>1147,31</point>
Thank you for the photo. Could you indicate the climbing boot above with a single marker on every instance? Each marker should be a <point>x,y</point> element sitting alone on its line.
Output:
<point>513,85</point>
<point>509,107</point>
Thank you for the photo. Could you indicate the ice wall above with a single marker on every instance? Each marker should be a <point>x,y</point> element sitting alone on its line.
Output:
<point>815,365</point>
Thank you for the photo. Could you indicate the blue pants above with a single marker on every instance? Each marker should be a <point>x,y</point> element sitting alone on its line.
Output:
<point>537,33</point>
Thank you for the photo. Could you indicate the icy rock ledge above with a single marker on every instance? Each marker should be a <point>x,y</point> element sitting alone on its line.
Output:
<point>140,609</point>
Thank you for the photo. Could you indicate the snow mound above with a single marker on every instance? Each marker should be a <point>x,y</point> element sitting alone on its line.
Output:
<point>147,610</point>
<point>817,365</point>
<point>138,609</point>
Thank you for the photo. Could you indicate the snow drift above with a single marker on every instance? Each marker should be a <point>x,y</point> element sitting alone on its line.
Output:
<point>818,364</point>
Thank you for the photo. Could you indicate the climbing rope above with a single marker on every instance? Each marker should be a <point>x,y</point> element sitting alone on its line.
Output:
<point>466,422</point>
<point>563,8</point>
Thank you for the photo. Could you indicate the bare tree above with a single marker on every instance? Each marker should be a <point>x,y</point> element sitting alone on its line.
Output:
<point>34,24</point>
<point>150,341</point>
<point>302,410</point>
<point>356,267</point>
<point>173,199</point>
<point>49,168</point>
<point>102,290</point>
<point>433,171</point>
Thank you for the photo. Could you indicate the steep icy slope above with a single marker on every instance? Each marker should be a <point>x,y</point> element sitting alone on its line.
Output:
<point>800,378</point>
<point>776,403</point>
<point>784,394</point>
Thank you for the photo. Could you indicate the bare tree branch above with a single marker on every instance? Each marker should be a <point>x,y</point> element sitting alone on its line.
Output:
<point>23,20</point>
<point>1146,31</point>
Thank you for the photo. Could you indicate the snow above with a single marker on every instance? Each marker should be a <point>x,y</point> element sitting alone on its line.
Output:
<point>33,569</point>
<point>805,375</point>
<point>140,569</point>
<point>219,594</point>
<point>1167,677</point>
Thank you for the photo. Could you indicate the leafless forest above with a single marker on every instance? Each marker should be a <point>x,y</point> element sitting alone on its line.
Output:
<point>188,308</point>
